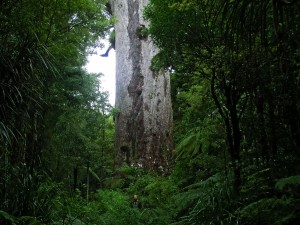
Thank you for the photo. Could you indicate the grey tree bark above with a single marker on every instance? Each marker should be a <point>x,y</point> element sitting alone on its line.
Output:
<point>144,122</point>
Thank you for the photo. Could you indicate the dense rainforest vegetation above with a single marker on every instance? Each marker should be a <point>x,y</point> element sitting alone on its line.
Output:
<point>235,77</point>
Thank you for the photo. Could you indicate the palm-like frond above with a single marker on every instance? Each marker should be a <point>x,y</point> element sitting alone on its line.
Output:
<point>189,146</point>
<point>205,201</point>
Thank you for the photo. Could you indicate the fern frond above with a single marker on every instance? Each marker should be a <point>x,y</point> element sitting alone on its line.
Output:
<point>282,183</point>
<point>189,146</point>
<point>8,217</point>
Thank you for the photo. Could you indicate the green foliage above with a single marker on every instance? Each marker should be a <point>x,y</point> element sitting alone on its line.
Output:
<point>199,135</point>
<point>8,217</point>
<point>111,207</point>
<point>157,197</point>
<point>112,38</point>
<point>159,62</point>
<point>234,72</point>
<point>226,116</point>
<point>155,191</point>
<point>203,139</point>
<point>43,48</point>
<point>142,32</point>
<point>115,112</point>
<point>79,131</point>
<point>18,221</point>
<point>288,182</point>
<point>116,209</point>
<point>257,185</point>
<point>269,211</point>
<point>205,202</point>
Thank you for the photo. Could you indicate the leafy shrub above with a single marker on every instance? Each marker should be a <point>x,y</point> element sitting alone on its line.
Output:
<point>115,208</point>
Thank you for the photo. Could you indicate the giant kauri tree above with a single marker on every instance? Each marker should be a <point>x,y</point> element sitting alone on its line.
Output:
<point>144,121</point>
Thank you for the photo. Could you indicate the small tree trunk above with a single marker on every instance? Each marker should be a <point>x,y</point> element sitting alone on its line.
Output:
<point>230,116</point>
<point>75,176</point>
<point>87,181</point>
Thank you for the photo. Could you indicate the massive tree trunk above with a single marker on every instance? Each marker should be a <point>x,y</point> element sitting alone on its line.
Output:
<point>144,123</point>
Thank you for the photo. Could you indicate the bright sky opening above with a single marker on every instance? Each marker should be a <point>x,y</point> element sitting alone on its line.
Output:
<point>106,66</point>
